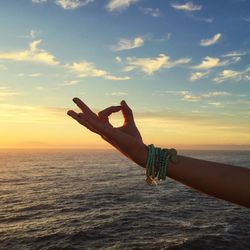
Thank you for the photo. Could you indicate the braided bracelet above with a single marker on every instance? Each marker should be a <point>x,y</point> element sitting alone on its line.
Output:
<point>157,163</point>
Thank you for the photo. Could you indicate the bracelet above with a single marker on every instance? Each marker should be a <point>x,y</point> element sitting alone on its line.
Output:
<point>157,163</point>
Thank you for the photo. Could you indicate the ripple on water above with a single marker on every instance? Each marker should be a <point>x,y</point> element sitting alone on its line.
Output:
<point>99,200</point>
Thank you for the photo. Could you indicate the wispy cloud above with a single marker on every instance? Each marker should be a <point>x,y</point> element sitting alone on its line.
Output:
<point>198,75</point>
<point>87,69</point>
<point>26,113</point>
<point>32,54</point>
<point>217,104</point>
<point>236,53</point>
<point>228,75</point>
<point>188,6</point>
<point>210,41</point>
<point>72,4</point>
<point>202,19</point>
<point>6,92</point>
<point>151,11</point>
<point>150,65</point>
<point>39,1</point>
<point>39,88</point>
<point>119,5</point>
<point>70,83</point>
<point>161,39</point>
<point>190,97</point>
<point>118,93</point>
<point>210,62</point>
<point>67,4</point>
<point>118,59</point>
<point>127,44</point>
<point>29,75</point>
<point>3,67</point>
<point>233,75</point>
<point>247,19</point>
<point>33,34</point>
<point>194,97</point>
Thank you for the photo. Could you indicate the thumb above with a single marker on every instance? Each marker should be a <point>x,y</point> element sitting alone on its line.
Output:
<point>127,112</point>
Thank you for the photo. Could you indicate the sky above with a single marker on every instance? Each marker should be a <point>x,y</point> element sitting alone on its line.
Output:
<point>182,66</point>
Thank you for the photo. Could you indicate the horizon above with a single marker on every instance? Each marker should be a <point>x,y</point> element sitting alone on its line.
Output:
<point>110,148</point>
<point>182,66</point>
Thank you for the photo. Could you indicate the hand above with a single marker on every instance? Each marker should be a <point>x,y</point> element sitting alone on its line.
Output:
<point>127,138</point>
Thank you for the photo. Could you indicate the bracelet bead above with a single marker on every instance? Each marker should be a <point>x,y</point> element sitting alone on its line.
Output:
<point>157,163</point>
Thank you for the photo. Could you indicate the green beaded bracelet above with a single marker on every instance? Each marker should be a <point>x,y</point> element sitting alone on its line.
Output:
<point>157,163</point>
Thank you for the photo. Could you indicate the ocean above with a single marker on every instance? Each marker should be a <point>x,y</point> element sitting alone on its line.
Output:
<point>96,199</point>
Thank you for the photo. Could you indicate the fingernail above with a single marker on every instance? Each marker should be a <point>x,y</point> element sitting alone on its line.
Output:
<point>74,99</point>
<point>68,113</point>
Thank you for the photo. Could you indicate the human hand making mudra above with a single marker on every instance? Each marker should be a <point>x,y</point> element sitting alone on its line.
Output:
<point>204,176</point>
<point>127,138</point>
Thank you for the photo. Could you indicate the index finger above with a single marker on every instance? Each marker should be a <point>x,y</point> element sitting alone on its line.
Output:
<point>108,111</point>
<point>105,113</point>
<point>85,109</point>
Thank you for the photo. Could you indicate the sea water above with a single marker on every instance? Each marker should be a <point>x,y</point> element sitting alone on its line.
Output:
<point>94,199</point>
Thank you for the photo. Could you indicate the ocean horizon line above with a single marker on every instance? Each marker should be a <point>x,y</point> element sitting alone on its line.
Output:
<point>180,148</point>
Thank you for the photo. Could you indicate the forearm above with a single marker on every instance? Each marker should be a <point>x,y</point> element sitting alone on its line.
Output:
<point>223,181</point>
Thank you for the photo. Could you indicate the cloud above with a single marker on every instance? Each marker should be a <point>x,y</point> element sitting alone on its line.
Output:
<point>119,5</point>
<point>3,67</point>
<point>191,97</point>
<point>33,34</point>
<point>216,104</point>
<point>26,113</point>
<point>32,54</point>
<point>118,93</point>
<point>210,62</point>
<point>72,4</point>
<point>233,75</point>
<point>161,39</point>
<point>210,41</point>
<point>29,75</point>
<point>189,6</point>
<point>216,93</point>
<point>198,75</point>
<point>67,4</point>
<point>118,59</point>
<point>88,69</point>
<point>202,19</point>
<point>228,75</point>
<point>39,88</point>
<point>70,83</point>
<point>150,65</point>
<point>247,19</point>
<point>39,1</point>
<point>150,11</point>
<point>236,53</point>
<point>126,44</point>
<point>188,96</point>
<point>6,92</point>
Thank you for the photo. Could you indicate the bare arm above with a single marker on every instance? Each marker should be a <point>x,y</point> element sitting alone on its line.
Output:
<point>227,182</point>
<point>223,181</point>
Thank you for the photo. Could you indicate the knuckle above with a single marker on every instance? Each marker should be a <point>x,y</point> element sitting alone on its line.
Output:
<point>100,113</point>
<point>130,112</point>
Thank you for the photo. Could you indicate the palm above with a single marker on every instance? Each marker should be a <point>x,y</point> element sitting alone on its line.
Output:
<point>130,129</point>
<point>126,138</point>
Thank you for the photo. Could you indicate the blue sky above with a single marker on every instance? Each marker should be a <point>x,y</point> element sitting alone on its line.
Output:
<point>184,63</point>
